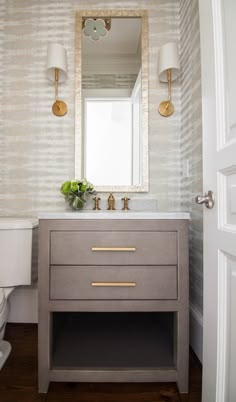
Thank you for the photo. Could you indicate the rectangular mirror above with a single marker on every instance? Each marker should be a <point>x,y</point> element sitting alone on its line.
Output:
<point>111,105</point>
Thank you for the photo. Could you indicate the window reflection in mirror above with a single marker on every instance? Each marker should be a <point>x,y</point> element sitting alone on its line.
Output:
<point>112,138</point>
<point>112,107</point>
<point>108,126</point>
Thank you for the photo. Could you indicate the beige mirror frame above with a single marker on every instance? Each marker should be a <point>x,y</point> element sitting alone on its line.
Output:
<point>143,187</point>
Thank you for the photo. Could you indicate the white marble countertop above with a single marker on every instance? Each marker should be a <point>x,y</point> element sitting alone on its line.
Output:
<point>86,214</point>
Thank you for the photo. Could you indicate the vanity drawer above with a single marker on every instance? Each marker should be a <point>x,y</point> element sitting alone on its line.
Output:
<point>113,248</point>
<point>119,282</point>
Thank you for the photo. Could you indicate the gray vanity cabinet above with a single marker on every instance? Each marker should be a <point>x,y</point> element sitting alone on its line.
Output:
<point>113,301</point>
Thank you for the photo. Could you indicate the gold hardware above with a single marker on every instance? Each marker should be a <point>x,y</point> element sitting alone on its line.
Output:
<point>111,202</point>
<point>113,248</point>
<point>166,108</point>
<point>96,206</point>
<point>126,202</point>
<point>114,284</point>
<point>59,107</point>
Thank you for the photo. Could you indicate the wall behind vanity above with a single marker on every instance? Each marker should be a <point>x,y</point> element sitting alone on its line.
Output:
<point>37,148</point>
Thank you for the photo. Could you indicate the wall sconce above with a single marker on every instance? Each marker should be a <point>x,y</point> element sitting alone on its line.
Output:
<point>169,70</point>
<point>57,72</point>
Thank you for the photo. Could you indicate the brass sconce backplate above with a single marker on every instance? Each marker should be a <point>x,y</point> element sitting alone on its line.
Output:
<point>166,108</point>
<point>59,108</point>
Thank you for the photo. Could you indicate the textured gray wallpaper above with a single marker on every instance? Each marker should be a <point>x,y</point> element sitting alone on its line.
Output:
<point>191,140</point>
<point>111,81</point>
<point>37,148</point>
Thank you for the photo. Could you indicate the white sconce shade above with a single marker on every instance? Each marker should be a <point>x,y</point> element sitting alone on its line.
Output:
<point>169,59</point>
<point>56,59</point>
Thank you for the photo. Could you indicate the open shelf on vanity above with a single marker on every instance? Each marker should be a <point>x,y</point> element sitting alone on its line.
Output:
<point>114,340</point>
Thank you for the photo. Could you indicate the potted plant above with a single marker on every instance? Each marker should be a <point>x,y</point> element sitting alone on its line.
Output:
<point>76,192</point>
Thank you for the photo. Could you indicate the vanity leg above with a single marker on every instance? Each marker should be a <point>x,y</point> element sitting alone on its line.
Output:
<point>183,311</point>
<point>43,386</point>
<point>44,336</point>
<point>183,386</point>
<point>183,352</point>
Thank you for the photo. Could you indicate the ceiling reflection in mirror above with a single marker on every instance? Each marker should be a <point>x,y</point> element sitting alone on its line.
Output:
<point>112,143</point>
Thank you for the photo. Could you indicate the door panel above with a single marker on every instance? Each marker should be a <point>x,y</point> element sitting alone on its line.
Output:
<point>218,59</point>
<point>232,329</point>
<point>229,32</point>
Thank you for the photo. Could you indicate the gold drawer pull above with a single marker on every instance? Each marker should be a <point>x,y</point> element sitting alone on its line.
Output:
<point>113,248</point>
<point>114,284</point>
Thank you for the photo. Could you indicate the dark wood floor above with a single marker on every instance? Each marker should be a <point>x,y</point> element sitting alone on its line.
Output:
<point>18,379</point>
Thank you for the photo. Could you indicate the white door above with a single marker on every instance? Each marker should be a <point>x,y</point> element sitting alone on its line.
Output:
<point>218,56</point>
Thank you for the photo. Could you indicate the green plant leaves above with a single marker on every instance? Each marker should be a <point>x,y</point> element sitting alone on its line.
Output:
<point>75,192</point>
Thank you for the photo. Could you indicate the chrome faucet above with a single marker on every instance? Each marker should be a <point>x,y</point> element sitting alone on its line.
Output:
<point>111,202</point>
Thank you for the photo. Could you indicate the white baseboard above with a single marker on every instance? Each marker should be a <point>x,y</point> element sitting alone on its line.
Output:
<point>23,304</point>
<point>196,331</point>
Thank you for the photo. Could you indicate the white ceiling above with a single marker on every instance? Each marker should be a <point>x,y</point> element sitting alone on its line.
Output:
<point>123,38</point>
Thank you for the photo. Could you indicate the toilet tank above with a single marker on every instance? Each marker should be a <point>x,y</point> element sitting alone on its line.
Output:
<point>16,250</point>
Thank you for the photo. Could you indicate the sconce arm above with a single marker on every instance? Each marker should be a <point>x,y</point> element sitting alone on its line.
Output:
<point>56,83</point>
<point>169,83</point>
<point>166,108</point>
<point>59,107</point>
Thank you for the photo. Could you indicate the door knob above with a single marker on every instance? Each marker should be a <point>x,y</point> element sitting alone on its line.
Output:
<point>207,199</point>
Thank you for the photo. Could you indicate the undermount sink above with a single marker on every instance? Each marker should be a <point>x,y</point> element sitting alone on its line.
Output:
<point>117,214</point>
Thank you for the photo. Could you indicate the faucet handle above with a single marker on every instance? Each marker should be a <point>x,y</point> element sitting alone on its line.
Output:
<point>96,204</point>
<point>111,202</point>
<point>126,202</point>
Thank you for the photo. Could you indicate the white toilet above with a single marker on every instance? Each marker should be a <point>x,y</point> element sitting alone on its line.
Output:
<point>15,266</point>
